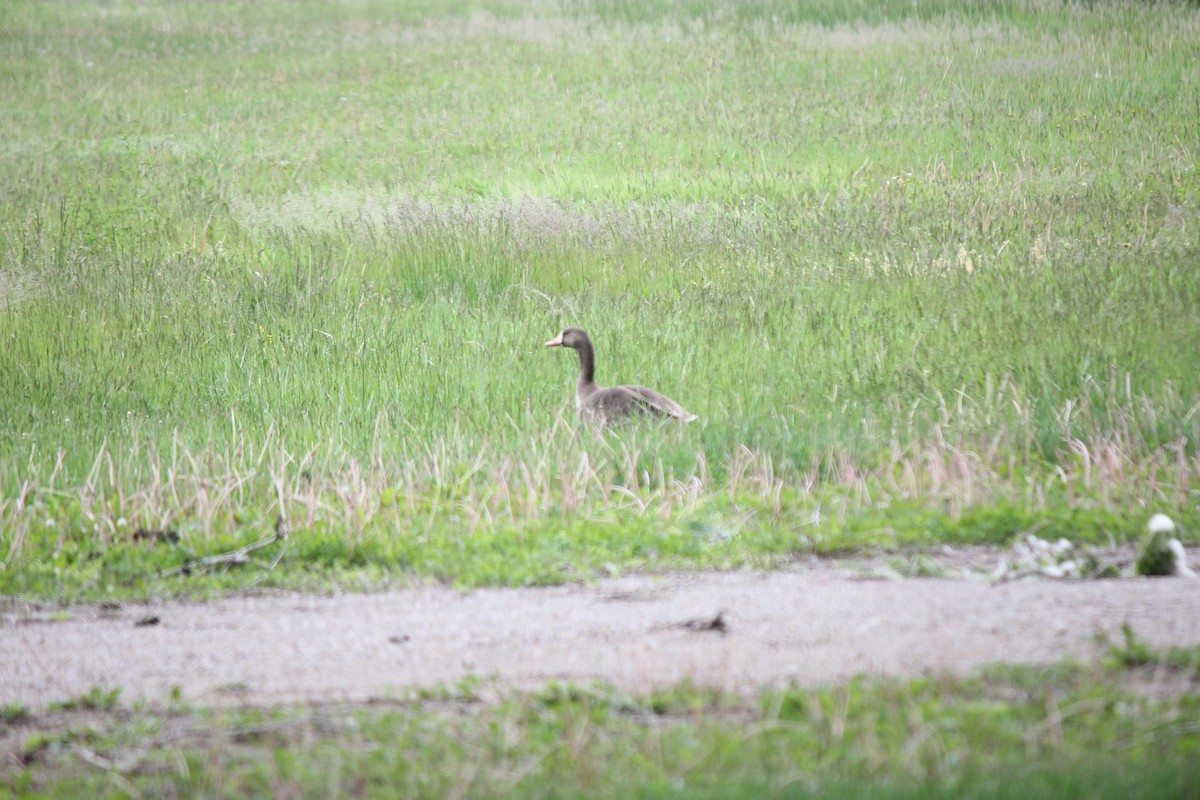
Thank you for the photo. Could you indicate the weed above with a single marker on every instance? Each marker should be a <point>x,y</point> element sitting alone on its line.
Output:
<point>1132,652</point>
<point>95,699</point>
<point>14,714</point>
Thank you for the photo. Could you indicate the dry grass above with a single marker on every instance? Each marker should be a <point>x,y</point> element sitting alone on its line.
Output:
<point>526,222</point>
<point>964,461</point>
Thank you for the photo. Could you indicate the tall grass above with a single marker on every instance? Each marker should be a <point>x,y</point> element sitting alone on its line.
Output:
<point>856,239</point>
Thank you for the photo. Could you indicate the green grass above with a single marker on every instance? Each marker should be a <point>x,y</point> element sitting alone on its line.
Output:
<point>1058,731</point>
<point>925,273</point>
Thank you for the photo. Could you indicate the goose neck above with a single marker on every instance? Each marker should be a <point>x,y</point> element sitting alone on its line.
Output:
<point>587,363</point>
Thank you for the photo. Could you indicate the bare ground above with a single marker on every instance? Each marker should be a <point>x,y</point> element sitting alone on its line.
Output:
<point>818,622</point>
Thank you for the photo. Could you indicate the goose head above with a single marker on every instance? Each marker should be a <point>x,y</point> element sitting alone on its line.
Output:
<point>569,337</point>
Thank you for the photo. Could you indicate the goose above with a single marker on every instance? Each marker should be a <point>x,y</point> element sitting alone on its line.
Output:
<point>610,403</point>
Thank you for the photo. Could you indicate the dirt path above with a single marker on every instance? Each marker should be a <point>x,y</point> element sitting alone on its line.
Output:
<point>815,623</point>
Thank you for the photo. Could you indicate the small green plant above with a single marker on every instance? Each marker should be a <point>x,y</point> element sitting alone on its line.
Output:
<point>1131,651</point>
<point>917,565</point>
<point>95,699</point>
<point>686,700</point>
<point>35,746</point>
<point>14,714</point>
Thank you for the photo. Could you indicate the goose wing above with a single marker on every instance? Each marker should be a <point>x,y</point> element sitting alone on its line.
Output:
<point>651,402</point>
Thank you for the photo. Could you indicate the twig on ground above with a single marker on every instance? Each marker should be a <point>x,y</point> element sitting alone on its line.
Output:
<point>128,764</point>
<point>236,557</point>
<point>716,624</point>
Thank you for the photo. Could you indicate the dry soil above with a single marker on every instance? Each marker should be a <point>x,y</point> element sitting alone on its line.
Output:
<point>815,623</point>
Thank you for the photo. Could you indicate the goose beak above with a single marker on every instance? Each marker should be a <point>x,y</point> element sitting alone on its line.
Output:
<point>555,342</point>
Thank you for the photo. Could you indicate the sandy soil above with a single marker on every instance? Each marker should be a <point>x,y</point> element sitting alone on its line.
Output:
<point>815,623</point>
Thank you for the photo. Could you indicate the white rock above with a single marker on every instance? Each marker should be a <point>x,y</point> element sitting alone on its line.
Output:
<point>1161,523</point>
<point>1181,566</point>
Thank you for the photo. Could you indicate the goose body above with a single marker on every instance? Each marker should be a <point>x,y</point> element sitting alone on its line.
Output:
<point>609,403</point>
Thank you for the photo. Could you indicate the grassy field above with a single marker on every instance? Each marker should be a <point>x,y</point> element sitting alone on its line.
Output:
<point>926,274</point>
